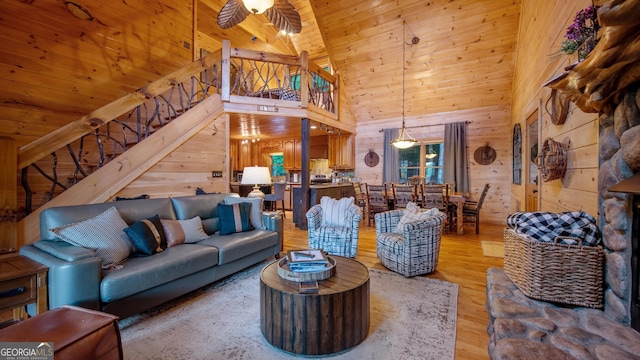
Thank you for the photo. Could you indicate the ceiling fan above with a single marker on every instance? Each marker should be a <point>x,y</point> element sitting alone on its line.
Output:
<point>282,14</point>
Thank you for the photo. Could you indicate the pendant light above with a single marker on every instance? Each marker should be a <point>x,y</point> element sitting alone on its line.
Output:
<point>404,140</point>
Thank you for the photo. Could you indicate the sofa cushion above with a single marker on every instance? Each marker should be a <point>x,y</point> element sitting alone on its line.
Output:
<point>236,246</point>
<point>130,211</point>
<point>183,231</point>
<point>147,236</point>
<point>187,207</point>
<point>256,209</point>
<point>234,218</point>
<point>104,234</point>
<point>144,273</point>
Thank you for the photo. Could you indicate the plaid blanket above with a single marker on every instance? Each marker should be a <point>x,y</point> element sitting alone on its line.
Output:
<point>546,226</point>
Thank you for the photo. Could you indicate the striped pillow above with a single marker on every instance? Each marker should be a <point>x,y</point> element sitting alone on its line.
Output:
<point>183,231</point>
<point>234,218</point>
<point>334,212</point>
<point>104,234</point>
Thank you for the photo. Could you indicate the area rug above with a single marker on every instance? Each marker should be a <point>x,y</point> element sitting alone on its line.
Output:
<point>493,248</point>
<point>411,318</point>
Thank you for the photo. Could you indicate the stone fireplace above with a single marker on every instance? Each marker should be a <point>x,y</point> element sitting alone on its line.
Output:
<point>620,158</point>
<point>523,328</point>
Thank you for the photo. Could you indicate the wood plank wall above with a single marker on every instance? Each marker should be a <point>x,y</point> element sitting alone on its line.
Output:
<point>542,28</point>
<point>488,125</point>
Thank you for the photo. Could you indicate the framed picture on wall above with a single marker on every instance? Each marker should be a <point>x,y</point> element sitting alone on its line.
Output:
<point>517,155</point>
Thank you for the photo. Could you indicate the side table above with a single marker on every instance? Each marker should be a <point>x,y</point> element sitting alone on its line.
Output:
<point>22,281</point>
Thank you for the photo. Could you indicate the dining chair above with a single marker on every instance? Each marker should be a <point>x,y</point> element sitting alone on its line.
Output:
<point>437,196</point>
<point>377,200</point>
<point>278,195</point>
<point>471,210</point>
<point>402,195</point>
<point>360,198</point>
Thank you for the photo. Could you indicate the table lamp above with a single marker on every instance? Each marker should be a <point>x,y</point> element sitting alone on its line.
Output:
<point>256,175</point>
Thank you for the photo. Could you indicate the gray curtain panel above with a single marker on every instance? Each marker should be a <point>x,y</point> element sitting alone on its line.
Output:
<point>391,161</point>
<point>455,156</point>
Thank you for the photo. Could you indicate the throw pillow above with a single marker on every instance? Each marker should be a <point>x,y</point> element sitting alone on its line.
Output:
<point>256,209</point>
<point>234,218</point>
<point>147,236</point>
<point>103,234</point>
<point>413,213</point>
<point>183,231</point>
<point>334,212</point>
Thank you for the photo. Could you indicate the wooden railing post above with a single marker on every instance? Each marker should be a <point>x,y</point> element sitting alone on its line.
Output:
<point>8,195</point>
<point>226,70</point>
<point>304,79</point>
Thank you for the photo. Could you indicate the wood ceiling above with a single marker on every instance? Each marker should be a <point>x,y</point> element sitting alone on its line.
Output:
<point>464,59</point>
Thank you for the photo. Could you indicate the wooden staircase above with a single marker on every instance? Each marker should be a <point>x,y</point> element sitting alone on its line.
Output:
<point>103,183</point>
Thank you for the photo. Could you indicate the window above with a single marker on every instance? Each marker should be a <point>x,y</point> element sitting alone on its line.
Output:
<point>425,160</point>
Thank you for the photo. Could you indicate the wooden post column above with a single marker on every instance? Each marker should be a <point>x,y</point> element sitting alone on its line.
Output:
<point>8,195</point>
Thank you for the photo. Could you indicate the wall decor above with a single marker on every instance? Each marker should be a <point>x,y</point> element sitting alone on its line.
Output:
<point>559,107</point>
<point>371,159</point>
<point>484,155</point>
<point>552,160</point>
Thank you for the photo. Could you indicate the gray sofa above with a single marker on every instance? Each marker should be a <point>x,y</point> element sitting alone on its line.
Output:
<point>76,276</point>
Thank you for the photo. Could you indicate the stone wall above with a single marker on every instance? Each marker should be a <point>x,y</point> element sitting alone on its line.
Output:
<point>619,159</point>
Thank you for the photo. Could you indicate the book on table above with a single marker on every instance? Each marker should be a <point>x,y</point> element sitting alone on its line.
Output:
<point>307,260</point>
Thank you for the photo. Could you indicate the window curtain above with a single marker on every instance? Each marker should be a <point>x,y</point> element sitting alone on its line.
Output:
<point>455,156</point>
<point>391,161</point>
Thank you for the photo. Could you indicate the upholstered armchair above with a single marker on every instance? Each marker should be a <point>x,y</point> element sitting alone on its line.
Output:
<point>333,226</point>
<point>413,248</point>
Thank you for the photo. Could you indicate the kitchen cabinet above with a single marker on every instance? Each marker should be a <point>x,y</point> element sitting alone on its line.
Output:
<point>292,149</point>
<point>341,152</point>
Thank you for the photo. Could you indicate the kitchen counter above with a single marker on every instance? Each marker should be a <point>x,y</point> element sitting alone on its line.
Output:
<point>316,192</point>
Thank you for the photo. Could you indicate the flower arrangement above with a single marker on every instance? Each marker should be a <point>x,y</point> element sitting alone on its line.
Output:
<point>581,35</point>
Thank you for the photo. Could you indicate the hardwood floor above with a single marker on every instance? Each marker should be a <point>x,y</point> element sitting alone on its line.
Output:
<point>461,261</point>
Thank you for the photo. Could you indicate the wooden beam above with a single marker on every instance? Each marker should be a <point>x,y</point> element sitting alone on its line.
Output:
<point>305,176</point>
<point>8,194</point>
<point>118,173</point>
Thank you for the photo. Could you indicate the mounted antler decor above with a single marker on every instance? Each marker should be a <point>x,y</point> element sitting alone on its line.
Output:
<point>598,82</point>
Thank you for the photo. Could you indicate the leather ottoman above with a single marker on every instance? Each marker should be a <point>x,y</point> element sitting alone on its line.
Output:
<point>76,333</point>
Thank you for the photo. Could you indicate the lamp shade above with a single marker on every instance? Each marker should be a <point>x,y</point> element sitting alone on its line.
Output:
<point>253,175</point>
<point>257,7</point>
<point>256,175</point>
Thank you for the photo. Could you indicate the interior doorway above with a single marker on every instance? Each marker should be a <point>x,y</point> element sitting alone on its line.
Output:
<point>532,178</point>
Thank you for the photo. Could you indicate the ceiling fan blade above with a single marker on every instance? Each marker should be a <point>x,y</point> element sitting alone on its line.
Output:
<point>232,14</point>
<point>285,17</point>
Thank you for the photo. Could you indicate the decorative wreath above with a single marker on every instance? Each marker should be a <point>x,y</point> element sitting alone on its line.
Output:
<point>552,160</point>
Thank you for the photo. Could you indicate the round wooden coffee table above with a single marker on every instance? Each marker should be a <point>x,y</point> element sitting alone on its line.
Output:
<point>334,319</point>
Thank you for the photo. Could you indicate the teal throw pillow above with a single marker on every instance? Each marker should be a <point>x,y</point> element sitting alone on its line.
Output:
<point>234,218</point>
<point>147,236</point>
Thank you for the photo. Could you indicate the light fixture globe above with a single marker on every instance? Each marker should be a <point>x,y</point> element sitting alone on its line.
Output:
<point>257,6</point>
<point>404,141</point>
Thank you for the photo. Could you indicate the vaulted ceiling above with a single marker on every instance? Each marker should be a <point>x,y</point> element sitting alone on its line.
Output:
<point>464,58</point>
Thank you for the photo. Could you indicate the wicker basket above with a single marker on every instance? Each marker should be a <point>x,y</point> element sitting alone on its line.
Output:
<point>553,160</point>
<point>567,274</point>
